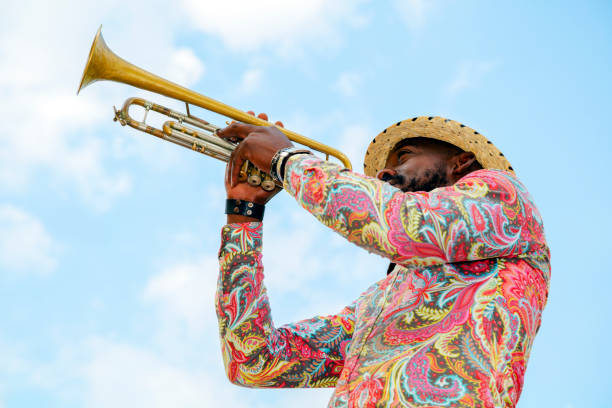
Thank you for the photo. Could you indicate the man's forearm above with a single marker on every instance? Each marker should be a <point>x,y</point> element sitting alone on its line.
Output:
<point>255,353</point>
<point>479,217</point>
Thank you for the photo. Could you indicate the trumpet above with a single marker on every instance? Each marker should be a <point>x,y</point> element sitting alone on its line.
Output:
<point>185,129</point>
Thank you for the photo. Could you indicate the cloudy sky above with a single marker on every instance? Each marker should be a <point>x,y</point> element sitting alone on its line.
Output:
<point>108,237</point>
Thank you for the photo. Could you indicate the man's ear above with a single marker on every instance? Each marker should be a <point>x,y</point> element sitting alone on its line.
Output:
<point>461,162</point>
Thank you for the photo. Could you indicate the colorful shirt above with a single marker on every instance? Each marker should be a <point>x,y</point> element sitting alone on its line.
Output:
<point>452,325</point>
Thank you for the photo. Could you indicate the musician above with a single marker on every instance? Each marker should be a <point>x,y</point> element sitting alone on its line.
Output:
<point>453,321</point>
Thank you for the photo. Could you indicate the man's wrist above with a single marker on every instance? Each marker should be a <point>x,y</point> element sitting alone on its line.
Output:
<point>240,219</point>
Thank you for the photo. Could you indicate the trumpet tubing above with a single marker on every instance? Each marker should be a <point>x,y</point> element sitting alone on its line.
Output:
<point>185,130</point>
<point>202,140</point>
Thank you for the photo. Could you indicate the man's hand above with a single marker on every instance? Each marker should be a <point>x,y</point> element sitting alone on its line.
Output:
<point>243,190</point>
<point>258,144</point>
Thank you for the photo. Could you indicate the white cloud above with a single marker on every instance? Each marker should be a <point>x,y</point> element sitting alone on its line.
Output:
<point>115,374</point>
<point>354,141</point>
<point>288,252</point>
<point>121,375</point>
<point>300,254</point>
<point>468,75</point>
<point>185,67</point>
<point>251,79</point>
<point>101,371</point>
<point>184,292</point>
<point>414,12</point>
<point>348,83</point>
<point>25,244</point>
<point>53,136</point>
<point>283,25</point>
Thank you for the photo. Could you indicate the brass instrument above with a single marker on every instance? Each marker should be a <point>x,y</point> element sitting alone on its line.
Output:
<point>186,130</point>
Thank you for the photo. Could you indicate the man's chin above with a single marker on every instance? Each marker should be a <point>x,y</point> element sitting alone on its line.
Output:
<point>415,185</point>
<point>404,188</point>
<point>418,189</point>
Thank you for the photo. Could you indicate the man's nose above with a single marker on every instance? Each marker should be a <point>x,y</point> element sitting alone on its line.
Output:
<point>386,174</point>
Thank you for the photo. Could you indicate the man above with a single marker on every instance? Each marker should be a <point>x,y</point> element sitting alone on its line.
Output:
<point>452,323</point>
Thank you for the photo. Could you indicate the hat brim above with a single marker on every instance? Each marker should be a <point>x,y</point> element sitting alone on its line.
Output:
<point>433,127</point>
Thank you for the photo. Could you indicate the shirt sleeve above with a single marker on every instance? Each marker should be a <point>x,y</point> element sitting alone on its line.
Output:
<point>486,214</point>
<point>309,353</point>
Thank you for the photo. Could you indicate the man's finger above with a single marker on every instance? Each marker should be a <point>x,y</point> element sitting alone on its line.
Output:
<point>228,172</point>
<point>235,131</point>
<point>262,115</point>
<point>236,162</point>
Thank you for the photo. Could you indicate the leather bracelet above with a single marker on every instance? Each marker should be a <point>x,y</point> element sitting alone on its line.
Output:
<point>277,165</point>
<point>246,208</point>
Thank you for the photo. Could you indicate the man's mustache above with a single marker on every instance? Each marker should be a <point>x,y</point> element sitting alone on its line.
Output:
<point>396,179</point>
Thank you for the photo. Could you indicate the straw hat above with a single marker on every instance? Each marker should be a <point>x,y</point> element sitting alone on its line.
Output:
<point>438,128</point>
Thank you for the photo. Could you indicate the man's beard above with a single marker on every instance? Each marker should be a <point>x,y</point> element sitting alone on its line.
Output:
<point>432,178</point>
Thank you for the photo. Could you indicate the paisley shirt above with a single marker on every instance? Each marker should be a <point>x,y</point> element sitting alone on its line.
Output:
<point>452,325</point>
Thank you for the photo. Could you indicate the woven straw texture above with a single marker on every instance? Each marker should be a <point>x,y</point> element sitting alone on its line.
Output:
<point>438,128</point>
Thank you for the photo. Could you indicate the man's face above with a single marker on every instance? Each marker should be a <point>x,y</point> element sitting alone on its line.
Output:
<point>417,165</point>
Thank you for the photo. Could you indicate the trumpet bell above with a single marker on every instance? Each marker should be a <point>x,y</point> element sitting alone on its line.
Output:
<point>99,62</point>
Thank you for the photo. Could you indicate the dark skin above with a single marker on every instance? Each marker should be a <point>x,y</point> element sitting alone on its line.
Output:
<point>417,164</point>
<point>421,164</point>
<point>258,144</point>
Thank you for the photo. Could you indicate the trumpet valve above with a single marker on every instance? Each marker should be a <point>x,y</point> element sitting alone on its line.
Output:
<point>254,179</point>
<point>255,176</point>
<point>243,174</point>
<point>268,184</point>
<point>119,116</point>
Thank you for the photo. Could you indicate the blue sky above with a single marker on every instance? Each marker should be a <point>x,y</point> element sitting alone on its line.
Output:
<point>108,237</point>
